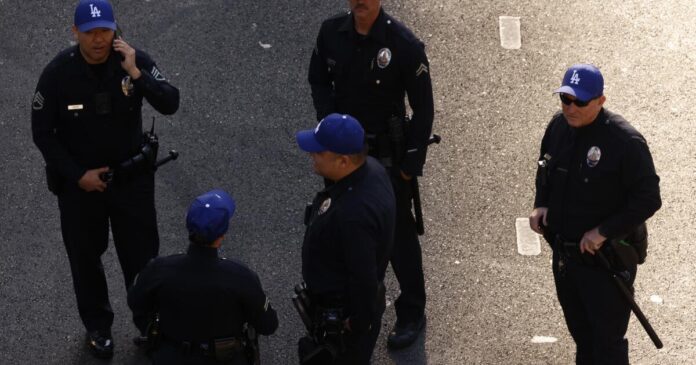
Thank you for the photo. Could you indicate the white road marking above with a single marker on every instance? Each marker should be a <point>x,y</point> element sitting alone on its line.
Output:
<point>544,339</point>
<point>510,37</point>
<point>264,45</point>
<point>528,243</point>
<point>656,299</point>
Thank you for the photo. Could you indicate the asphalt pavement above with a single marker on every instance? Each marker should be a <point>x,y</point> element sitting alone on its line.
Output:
<point>241,68</point>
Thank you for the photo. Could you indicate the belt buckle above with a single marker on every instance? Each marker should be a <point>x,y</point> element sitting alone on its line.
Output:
<point>205,349</point>
<point>186,347</point>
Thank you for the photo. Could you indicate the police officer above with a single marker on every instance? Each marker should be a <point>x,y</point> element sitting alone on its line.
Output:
<point>86,117</point>
<point>595,188</point>
<point>348,239</point>
<point>364,64</point>
<point>203,301</point>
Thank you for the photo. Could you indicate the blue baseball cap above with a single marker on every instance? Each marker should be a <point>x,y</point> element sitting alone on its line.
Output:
<point>338,133</point>
<point>94,14</point>
<point>209,215</point>
<point>584,81</point>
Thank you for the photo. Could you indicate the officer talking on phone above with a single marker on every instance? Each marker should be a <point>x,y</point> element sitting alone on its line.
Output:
<point>86,119</point>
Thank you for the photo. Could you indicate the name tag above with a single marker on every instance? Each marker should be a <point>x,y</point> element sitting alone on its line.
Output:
<point>75,107</point>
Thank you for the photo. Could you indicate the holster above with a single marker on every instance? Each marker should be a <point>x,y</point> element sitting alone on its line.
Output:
<point>154,336</point>
<point>632,249</point>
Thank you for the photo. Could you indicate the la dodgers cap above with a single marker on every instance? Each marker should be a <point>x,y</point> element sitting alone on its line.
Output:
<point>584,81</point>
<point>94,14</point>
<point>338,133</point>
<point>209,215</point>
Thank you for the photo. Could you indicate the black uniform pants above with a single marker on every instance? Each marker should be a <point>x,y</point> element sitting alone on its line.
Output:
<point>596,313</point>
<point>129,208</point>
<point>406,258</point>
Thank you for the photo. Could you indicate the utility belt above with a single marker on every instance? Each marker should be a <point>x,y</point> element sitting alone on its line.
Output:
<point>570,251</point>
<point>388,146</point>
<point>144,161</point>
<point>220,349</point>
<point>619,253</point>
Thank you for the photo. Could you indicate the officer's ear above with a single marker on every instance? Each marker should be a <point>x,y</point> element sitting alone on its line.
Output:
<point>344,161</point>
<point>601,100</point>
<point>74,32</point>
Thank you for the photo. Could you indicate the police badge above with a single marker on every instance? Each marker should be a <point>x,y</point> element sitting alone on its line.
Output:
<point>324,206</point>
<point>384,57</point>
<point>593,156</point>
<point>127,86</point>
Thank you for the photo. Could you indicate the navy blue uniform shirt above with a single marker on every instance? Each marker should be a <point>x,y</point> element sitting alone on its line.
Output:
<point>200,296</point>
<point>348,76</point>
<point>599,175</point>
<point>82,119</point>
<point>348,241</point>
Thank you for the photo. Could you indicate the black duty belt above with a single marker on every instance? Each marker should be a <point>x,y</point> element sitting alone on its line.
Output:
<point>206,348</point>
<point>571,252</point>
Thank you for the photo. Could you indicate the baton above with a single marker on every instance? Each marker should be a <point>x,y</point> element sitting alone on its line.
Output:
<point>415,191</point>
<point>173,155</point>
<point>629,297</point>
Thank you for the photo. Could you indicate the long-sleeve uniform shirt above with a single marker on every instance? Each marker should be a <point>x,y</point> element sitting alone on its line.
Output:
<point>348,241</point>
<point>369,76</point>
<point>200,296</point>
<point>601,175</point>
<point>86,116</point>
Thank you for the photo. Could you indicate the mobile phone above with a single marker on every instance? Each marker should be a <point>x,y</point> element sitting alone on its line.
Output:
<point>118,34</point>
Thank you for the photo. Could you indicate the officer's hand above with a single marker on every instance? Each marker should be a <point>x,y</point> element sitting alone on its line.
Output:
<point>405,176</point>
<point>90,181</point>
<point>346,325</point>
<point>128,54</point>
<point>537,218</point>
<point>592,241</point>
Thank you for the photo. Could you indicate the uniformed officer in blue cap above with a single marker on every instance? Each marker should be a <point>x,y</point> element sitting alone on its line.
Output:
<point>86,119</point>
<point>595,188</point>
<point>347,243</point>
<point>204,302</point>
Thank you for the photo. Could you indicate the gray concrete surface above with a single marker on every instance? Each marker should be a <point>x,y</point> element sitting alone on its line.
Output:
<point>241,105</point>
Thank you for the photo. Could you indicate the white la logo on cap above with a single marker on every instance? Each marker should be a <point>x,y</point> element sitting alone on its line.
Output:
<point>316,130</point>
<point>96,13</point>
<point>575,79</point>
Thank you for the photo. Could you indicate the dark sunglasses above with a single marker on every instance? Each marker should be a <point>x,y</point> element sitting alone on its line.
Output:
<point>567,101</point>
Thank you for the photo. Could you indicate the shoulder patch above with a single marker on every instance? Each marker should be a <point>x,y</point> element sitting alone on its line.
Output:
<point>421,69</point>
<point>157,74</point>
<point>38,101</point>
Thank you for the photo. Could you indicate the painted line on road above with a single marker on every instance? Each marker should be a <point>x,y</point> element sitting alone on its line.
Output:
<point>510,36</point>
<point>528,243</point>
<point>656,299</point>
<point>544,339</point>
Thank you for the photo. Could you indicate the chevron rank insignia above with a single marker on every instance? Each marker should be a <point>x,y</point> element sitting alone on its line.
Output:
<point>157,74</point>
<point>421,69</point>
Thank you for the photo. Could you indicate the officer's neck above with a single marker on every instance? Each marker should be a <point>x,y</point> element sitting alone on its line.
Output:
<point>363,24</point>
<point>345,172</point>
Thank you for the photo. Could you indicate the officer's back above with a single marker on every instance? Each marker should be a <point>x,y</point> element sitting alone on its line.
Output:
<point>203,296</point>
<point>205,304</point>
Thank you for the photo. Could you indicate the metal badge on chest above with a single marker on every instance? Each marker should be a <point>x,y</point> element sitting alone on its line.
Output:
<point>325,205</point>
<point>593,156</point>
<point>384,57</point>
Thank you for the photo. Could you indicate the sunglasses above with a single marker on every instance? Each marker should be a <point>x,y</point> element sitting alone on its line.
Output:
<point>567,101</point>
